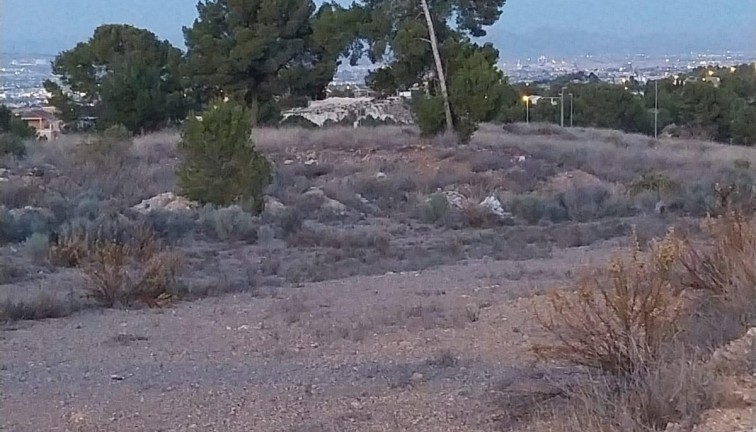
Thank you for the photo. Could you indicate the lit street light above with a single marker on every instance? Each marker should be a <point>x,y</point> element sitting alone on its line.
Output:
<point>526,99</point>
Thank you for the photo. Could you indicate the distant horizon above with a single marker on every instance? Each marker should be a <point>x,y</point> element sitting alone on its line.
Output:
<point>559,28</point>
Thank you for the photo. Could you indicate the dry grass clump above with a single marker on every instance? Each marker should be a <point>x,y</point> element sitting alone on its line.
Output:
<point>619,319</point>
<point>640,324</point>
<point>140,270</point>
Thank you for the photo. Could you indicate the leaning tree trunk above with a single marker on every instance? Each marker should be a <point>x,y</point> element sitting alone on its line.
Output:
<point>439,67</point>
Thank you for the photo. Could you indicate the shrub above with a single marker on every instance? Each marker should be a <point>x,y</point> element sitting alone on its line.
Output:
<point>229,224</point>
<point>122,274</point>
<point>37,246</point>
<point>12,145</point>
<point>18,224</point>
<point>620,319</point>
<point>110,147</point>
<point>435,208</point>
<point>589,203</point>
<point>665,393</point>
<point>266,234</point>
<point>531,208</point>
<point>77,235</point>
<point>725,272</point>
<point>742,164</point>
<point>429,114</point>
<point>654,182</point>
<point>169,225</point>
<point>221,166</point>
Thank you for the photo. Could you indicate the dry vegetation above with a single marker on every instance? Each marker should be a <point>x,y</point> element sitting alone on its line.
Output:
<point>636,342</point>
<point>651,328</point>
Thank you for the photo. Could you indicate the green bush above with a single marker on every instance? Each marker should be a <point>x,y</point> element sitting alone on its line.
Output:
<point>531,208</point>
<point>429,114</point>
<point>435,208</point>
<point>12,145</point>
<point>229,224</point>
<point>109,146</point>
<point>221,165</point>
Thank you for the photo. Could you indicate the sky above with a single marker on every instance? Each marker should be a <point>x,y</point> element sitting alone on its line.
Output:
<point>53,25</point>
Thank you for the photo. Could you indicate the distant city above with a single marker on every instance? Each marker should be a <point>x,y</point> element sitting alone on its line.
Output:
<point>21,76</point>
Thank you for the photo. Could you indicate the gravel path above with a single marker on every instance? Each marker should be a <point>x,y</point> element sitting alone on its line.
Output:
<point>417,351</point>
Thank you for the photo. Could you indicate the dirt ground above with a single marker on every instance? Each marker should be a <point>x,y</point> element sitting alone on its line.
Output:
<point>423,351</point>
<point>355,303</point>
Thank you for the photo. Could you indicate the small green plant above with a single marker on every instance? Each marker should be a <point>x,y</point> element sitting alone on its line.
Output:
<point>229,223</point>
<point>742,164</point>
<point>108,148</point>
<point>221,165</point>
<point>654,182</point>
<point>429,114</point>
<point>529,207</point>
<point>434,208</point>
<point>12,145</point>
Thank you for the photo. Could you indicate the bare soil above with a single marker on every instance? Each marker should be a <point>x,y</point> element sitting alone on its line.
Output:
<point>423,351</point>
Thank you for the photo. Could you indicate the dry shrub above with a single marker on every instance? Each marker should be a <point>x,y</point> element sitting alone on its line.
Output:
<point>726,267</point>
<point>620,318</point>
<point>639,324</point>
<point>660,394</point>
<point>140,270</point>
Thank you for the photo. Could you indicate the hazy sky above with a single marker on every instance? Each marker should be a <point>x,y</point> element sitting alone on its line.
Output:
<point>57,24</point>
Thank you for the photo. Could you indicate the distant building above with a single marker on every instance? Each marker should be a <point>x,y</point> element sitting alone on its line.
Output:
<point>712,80</point>
<point>43,120</point>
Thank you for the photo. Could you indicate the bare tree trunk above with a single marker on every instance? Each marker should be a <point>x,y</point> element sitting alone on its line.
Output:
<point>439,67</point>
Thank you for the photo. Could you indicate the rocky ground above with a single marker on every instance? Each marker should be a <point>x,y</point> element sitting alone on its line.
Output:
<point>389,285</point>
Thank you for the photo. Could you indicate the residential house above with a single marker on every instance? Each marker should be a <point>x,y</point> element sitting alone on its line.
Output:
<point>43,120</point>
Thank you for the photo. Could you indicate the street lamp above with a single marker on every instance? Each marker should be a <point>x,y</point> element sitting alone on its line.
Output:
<point>526,99</point>
<point>656,109</point>
<point>572,100</point>
<point>561,107</point>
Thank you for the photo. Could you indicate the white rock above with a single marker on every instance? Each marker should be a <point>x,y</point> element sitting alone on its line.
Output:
<point>493,205</point>
<point>274,206</point>
<point>167,201</point>
<point>334,206</point>
<point>310,162</point>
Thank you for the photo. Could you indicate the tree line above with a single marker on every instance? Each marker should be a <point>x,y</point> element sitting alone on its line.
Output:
<point>716,103</point>
<point>271,55</point>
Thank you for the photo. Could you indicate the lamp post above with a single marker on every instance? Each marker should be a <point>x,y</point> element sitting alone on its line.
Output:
<point>656,109</point>
<point>526,99</point>
<point>561,108</point>
<point>572,101</point>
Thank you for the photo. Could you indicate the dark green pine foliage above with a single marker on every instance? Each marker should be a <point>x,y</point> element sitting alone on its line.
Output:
<point>121,75</point>
<point>220,164</point>
<point>395,33</point>
<point>259,52</point>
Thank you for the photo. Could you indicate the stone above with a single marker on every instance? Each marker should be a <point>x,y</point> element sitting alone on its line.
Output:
<point>493,206</point>
<point>334,206</point>
<point>167,201</point>
<point>319,199</point>
<point>660,207</point>
<point>417,377</point>
<point>455,199</point>
<point>273,206</point>
<point>362,199</point>
<point>381,175</point>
